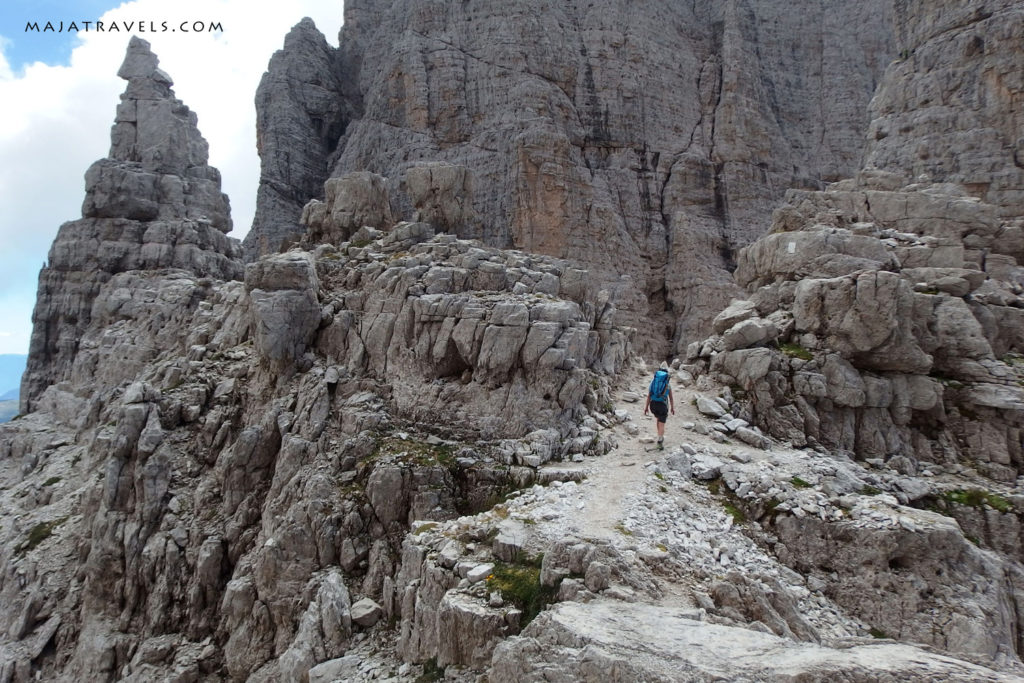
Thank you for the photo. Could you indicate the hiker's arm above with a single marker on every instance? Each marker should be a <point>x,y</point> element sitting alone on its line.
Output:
<point>672,401</point>
<point>647,405</point>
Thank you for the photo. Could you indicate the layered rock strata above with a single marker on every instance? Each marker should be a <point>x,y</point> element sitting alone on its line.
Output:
<point>265,453</point>
<point>154,203</point>
<point>223,482</point>
<point>949,108</point>
<point>577,641</point>
<point>807,556</point>
<point>251,479</point>
<point>646,143</point>
<point>882,322</point>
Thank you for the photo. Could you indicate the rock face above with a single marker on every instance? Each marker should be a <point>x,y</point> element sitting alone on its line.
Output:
<point>258,455</point>
<point>893,308</point>
<point>949,108</point>
<point>154,203</point>
<point>351,202</point>
<point>238,462</point>
<point>647,143</point>
<point>884,321</point>
<point>619,643</point>
<point>302,107</point>
<point>241,394</point>
<point>892,323</point>
<point>344,460</point>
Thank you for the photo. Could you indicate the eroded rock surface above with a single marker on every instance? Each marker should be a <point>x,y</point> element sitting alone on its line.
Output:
<point>302,107</point>
<point>643,142</point>
<point>623,642</point>
<point>887,322</point>
<point>153,203</point>
<point>949,108</point>
<point>216,476</point>
<point>395,447</point>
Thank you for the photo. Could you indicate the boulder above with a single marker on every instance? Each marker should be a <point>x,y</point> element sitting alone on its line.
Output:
<point>351,201</point>
<point>366,612</point>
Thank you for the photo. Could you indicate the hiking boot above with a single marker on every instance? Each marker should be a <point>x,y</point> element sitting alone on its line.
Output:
<point>661,445</point>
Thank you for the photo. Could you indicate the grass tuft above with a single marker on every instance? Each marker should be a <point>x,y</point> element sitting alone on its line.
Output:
<point>796,351</point>
<point>520,584</point>
<point>978,498</point>
<point>736,514</point>
<point>431,672</point>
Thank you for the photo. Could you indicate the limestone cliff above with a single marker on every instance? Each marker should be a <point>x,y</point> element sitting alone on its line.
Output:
<point>895,306</point>
<point>884,320</point>
<point>302,107</point>
<point>393,450</point>
<point>153,203</point>
<point>949,109</point>
<point>202,450</point>
<point>647,142</point>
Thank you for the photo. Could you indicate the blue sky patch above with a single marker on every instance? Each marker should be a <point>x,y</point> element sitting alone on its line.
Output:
<point>53,48</point>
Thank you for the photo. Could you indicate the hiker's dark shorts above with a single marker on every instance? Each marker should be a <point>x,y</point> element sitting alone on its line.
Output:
<point>660,410</point>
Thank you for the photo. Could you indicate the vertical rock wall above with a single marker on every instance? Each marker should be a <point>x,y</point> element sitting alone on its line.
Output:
<point>951,107</point>
<point>646,141</point>
<point>301,109</point>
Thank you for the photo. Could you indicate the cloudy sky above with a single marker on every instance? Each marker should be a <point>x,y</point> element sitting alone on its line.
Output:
<point>59,91</point>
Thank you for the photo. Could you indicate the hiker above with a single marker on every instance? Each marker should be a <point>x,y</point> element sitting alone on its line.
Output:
<point>659,399</point>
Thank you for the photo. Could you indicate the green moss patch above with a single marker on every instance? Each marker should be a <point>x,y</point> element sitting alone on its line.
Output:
<point>431,672</point>
<point>796,351</point>
<point>728,499</point>
<point>734,512</point>
<point>978,498</point>
<point>39,533</point>
<point>416,452</point>
<point>520,585</point>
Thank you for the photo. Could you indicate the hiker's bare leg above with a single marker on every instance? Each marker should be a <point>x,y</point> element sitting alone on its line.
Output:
<point>661,430</point>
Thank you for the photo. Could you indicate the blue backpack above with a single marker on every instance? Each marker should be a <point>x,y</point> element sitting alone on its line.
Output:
<point>659,386</point>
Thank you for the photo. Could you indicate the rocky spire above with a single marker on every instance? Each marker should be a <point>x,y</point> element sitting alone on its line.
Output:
<point>153,203</point>
<point>301,111</point>
<point>157,168</point>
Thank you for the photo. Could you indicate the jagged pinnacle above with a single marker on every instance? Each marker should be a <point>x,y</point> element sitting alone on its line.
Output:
<point>140,62</point>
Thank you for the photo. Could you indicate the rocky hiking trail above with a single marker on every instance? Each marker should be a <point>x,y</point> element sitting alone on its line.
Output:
<point>659,574</point>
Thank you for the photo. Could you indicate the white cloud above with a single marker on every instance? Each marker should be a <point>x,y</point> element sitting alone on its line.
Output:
<point>55,120</point>
<point>5,68</point>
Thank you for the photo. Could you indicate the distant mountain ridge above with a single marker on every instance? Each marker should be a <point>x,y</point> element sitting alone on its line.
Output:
<point>12,366</point>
